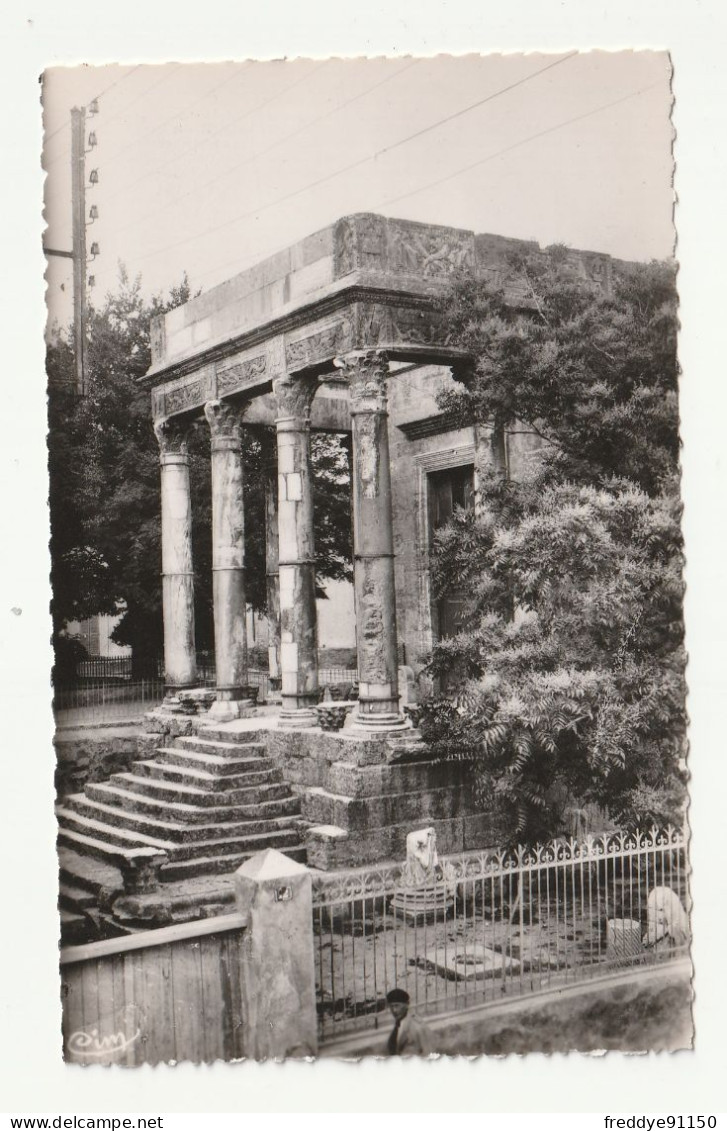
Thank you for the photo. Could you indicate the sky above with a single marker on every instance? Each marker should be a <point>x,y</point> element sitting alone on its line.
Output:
<point>208,168</point>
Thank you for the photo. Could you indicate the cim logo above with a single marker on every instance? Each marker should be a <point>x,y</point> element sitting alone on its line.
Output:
<point>107,1042</point>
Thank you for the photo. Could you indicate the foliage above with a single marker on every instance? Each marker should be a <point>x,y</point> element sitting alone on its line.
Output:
<point>104,485</point>
<point>570,670</point>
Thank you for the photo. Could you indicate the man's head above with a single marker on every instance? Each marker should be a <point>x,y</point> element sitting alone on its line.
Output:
<point>398,1003</point>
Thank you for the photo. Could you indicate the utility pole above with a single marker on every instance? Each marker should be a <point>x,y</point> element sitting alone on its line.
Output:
<point>78,205</point>
<point>78,254</point>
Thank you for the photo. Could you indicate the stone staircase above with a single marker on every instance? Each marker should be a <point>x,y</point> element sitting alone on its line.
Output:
<point>195,809</point>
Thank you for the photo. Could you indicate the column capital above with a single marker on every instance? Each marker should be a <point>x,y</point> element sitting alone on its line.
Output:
<point>294,397</point>
<point>367,372</point>
<point>225,421</point>
<point>172,434</point>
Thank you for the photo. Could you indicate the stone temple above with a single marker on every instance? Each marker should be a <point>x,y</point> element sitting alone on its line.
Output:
<point>340,332</point>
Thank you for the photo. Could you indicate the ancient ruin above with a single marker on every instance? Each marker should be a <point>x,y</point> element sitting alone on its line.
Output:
<point>341,332</point>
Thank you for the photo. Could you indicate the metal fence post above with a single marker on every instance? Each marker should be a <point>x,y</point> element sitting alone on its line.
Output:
<point>273,892</point>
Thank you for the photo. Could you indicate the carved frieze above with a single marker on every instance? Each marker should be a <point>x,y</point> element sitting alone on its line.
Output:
<point>434,253</point>
<point>360,242</point>
<point>240,375</point>
<point>301,353</point>
<point>181,398</point>
<point>383,324</point>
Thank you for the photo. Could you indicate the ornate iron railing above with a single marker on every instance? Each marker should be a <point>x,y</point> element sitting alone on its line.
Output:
<point>490,925</point>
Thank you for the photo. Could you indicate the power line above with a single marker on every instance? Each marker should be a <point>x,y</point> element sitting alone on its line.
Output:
<point>354,164</point>
<point>515,145</point>
<point>95,98</point>
<point>171,202</point>
<point>176,115</point>
<point>169,68</point>
<point>491,157</point>
<point>145,176</point>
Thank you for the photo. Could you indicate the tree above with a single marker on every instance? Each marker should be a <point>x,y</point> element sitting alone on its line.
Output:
<point>104,486</point>
<point>570,671</point>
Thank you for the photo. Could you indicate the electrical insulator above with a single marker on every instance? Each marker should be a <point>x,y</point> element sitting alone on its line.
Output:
<point>92,280</point>
<point>93,213</point>
<point>92,140</point>
<point>95,250</point>
<point>93,176</point>
<point>93,108</point>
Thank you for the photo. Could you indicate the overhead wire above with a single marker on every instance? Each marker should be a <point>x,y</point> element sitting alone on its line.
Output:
<point>215,133</point>
<point>94,99</point>
<point>358,163</point>
<point>170,69</point>
<point>171,202</point>
<point>515,145</point>
<point>459,172</point>
<point>116,155</point>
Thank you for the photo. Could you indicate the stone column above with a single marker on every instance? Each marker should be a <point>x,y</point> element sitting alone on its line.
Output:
<point>373,552</point>
<point>298,627</point>
<point>177,575</point>
<point>228,559</point>
<point>272,556</point>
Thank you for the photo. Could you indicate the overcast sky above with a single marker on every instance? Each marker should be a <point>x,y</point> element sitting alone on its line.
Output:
<point>209,168</point>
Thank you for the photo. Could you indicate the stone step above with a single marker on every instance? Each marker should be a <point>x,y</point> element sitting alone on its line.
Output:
<point>216,845</point>
<point>222,746</point>
<point>75,928</point>
<point>172,830</point>
<point>87,872</point>
<point>237,846</point>
<point>202,779</point>
<point>214,865</point>
<point>220,764</point>
<point>193,795</point>
<point>191,814</point>
<point>94,846</point>
<point>73,898</point>
<point>113,835</point>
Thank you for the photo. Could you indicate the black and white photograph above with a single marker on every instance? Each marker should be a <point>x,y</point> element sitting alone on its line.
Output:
<point>369,676</point>
<point>364,625</point>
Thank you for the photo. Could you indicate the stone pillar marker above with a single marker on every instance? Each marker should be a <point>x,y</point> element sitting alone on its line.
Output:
<point>180,669</point>
<point>298,626</point>
<point>272,571</point>
<point>274,893</point>
<point>228,559</point>
<point>373,546</point>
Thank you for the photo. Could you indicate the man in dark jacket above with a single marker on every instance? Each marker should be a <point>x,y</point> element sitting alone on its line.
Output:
<point>410,1036</point>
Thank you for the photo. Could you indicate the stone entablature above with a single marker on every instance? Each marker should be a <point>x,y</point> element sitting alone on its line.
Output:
<point>365,282</point>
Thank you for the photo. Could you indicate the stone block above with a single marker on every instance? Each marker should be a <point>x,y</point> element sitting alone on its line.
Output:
<point>360,814</point>
<point>368,781</point>
<point>172,726</point>
<point>327,847</point>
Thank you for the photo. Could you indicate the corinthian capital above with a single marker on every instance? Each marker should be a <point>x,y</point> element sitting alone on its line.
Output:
<point>225,421</point>
<point>367,372</point>
<point>294,396</point>
<point>171,434</point>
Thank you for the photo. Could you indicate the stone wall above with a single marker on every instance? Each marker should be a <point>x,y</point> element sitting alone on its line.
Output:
<point>84,756</point>
<point>363,796</point>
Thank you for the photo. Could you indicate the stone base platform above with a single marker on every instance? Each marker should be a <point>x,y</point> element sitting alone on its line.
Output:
<point>362,795</point>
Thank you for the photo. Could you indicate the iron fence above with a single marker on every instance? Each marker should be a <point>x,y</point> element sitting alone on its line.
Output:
<point>104,667</point>
<point>106,702</point>
<point>488,925</point>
